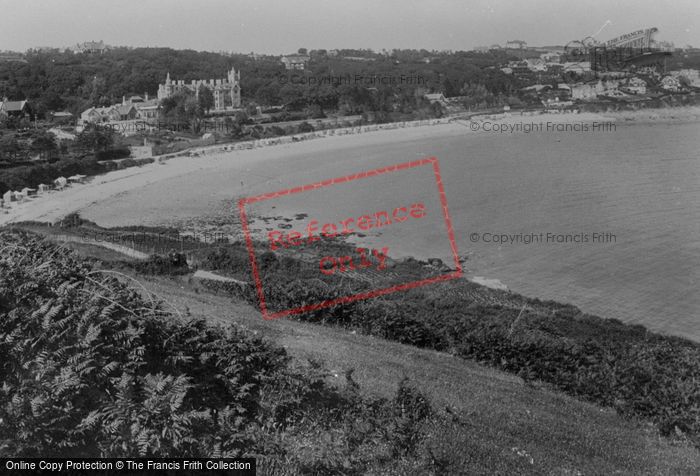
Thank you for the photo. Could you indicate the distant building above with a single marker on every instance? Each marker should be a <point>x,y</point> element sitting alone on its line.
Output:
<point>127,112</point>
<point>516,44</point>
<point>8,56</point>
<point>671,84</point>
<point>91,47</point>
<point>227,91</point>
<point>584,91</point>
<point>15,108</point>
<point>635,85</point>
<point>436,98</point>
<point>690,75</point>
<point>136,107</point>
<point>556,103</point>
<point>536,64</point>
<point>295,62</point>
<point>577,67</point>
<point>61,116</point>
<point>551,57</point>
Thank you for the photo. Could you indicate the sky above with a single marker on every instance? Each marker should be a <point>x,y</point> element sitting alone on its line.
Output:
<point>284,26</point>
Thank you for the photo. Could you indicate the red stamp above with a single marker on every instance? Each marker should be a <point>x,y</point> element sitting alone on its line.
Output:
<point>404,212</point>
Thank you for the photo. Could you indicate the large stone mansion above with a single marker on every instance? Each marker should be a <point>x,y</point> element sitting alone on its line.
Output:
<point>227,91</point>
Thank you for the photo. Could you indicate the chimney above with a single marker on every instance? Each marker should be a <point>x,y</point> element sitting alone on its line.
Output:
<point>146,96</point>
<point>123,100</point>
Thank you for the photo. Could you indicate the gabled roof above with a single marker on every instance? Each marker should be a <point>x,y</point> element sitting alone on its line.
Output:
<point>13,106</point>
<point>125,109</point>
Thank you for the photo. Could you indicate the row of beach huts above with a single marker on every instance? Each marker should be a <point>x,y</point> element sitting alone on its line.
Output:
<point>19,196</point>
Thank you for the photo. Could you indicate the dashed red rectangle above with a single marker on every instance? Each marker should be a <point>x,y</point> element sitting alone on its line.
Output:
<point>426,162</point>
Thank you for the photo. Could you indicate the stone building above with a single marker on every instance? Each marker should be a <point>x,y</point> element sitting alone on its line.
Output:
<point>226,92</point>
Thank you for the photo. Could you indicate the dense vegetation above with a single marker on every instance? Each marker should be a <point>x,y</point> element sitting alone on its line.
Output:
<point>57,81</point>
<point>92,367</point>
<point>637,372</point>
<point>35,156</point>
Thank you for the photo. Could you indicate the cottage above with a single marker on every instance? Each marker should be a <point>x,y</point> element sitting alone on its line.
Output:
<point>26,191</point>
<point>7,199</point>
<point>436,98</point>
<point>43,188</point>
<point>127,112</point>
<point>91,115</point>
<point>147,109</point>
<point>15,108</point>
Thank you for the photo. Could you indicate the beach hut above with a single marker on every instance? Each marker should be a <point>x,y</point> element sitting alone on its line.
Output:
<point>7,198</point>
<point>77,178</point>
<point>42,188</point>
<point>60,182</point>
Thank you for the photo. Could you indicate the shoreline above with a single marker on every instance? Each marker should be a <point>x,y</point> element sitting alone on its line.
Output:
<point>56,204</point>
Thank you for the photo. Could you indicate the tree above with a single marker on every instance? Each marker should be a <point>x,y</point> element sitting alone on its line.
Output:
<point>95,138</point>
<point>44,143</point>
<point>206,98</point>
<point>9,147</point>
<point>302,51</point>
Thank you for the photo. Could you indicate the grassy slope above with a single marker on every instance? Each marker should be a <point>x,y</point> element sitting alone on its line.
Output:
<point>561,434</point>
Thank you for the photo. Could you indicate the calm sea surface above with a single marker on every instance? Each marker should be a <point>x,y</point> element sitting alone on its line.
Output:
<point>639,184</point>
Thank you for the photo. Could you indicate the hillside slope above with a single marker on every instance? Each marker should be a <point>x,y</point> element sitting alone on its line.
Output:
<point>560,434</point>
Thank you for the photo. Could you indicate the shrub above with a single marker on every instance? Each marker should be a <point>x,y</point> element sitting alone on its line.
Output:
<point>113,154</point>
